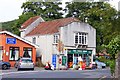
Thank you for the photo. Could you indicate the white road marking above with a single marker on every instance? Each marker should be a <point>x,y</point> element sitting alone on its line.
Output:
<point>18,72</point>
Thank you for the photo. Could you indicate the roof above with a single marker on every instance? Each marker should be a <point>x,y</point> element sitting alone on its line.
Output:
<point>29,21</point>
<point>51,27</point>
<point>24,40</point>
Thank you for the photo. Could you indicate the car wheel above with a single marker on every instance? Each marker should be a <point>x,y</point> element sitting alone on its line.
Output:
<point>4,66</point>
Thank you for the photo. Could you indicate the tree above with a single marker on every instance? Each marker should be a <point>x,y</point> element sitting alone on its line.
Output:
<point>98,14</point>
<point>113,47</point>
<point>47,10</point>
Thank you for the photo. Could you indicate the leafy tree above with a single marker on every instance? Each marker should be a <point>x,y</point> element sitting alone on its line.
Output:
<point>47,10</point>
<point>113,47</point>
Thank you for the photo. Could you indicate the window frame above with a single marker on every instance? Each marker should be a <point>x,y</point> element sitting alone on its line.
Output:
<point>15,49</point>
<point>82,38</point>
<point>28,50</point>
<point>56,38</point>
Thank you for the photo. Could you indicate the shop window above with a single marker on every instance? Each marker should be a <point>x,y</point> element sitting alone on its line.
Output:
<point>80,38</point>
<point>14,53</point>
<point>1,52</point>
<point>27,52</point>
<point>56,38</point>
<point>34,40</point>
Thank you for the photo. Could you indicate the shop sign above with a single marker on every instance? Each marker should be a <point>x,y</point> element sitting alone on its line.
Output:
<point>54,56</point>
<point>64,60</point>
<point>11,40</point>
<point>79,51</point>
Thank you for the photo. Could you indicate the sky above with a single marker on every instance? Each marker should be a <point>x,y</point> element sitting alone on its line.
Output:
<point>11,9</point>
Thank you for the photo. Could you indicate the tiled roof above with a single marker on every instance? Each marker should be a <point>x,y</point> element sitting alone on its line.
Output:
<point>51,27</point>
<point>29,21</point>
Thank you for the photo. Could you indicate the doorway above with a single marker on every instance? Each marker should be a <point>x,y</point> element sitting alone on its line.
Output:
<point>70,60</point>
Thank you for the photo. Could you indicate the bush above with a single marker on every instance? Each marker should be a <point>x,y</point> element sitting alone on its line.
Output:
<point>112,66</point>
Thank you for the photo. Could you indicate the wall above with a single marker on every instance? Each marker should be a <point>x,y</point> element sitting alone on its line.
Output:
<point>67,33</point>
<point>45,46</point>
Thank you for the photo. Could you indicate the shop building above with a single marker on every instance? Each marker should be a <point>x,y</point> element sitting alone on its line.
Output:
<point>63,41</point>
<point>12,47</point>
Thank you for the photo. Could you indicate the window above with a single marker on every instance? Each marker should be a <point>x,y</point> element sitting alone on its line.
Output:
<point>34,40</point>
<point>1,52</point>
<point>56,39</point>
<point>80,38</point>
<point>27,52</point>
<point>14,53</point>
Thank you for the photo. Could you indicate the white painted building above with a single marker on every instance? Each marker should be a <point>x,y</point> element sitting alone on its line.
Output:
<point>62,41</point>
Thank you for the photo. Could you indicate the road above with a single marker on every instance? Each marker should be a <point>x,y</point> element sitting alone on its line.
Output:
<point>41,73</point>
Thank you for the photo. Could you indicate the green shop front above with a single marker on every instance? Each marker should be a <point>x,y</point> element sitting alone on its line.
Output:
<point>74,54</point>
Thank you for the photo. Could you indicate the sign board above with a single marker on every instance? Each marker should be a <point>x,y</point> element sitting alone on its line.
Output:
<point>79,51</point>
<point>54,56</point>
<point>11,40</point>
<point>63,60</point>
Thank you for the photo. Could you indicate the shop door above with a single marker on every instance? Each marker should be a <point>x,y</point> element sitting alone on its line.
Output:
<point>70,60</point>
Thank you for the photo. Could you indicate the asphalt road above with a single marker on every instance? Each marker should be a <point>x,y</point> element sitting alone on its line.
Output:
<point>41,73</point>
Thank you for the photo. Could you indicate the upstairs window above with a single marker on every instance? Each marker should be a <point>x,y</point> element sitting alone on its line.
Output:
<point>80,38</point>
<point>56,39</point>
<point>34,40</point>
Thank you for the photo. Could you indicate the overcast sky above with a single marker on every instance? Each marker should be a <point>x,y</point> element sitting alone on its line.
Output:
<point>11,9</point>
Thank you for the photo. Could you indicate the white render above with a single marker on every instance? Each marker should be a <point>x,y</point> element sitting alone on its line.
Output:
<point>30,27</point>
<point>47,48</point>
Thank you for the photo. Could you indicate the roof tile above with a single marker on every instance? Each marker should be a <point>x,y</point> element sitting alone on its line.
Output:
<point>29,21</point>
<point>51,27</point>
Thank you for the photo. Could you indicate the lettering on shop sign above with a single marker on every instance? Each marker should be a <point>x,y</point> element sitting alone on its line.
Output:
<point>11,40</point>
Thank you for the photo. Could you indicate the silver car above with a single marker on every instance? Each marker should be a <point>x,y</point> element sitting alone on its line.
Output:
<point>25,63</point>
<point>100,64</point>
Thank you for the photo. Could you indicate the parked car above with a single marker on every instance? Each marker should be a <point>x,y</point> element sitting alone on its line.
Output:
<point>100,64</point>
<point>4,65</point>
<point>25,63</point>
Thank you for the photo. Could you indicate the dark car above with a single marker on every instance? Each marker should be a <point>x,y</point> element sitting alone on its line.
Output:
<point>4,65</point>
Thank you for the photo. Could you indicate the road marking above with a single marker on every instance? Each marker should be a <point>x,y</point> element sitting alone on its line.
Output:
<point>17,72</point>
<point>102,77</point>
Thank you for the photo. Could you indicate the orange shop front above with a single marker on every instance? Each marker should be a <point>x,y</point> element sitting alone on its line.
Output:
<point>12,47</point>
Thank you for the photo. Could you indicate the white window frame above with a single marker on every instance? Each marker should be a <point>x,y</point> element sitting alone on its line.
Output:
<point>81,36</point>
<point>15,53</point>
<point>1,53</point>
<point>56,38</point>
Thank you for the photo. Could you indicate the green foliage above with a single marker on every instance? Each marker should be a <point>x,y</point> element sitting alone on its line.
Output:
<point>47,10</point>
<point>103,59</point>
<point>112,66</point>
<point>113,47</point>
<point>8,25</point>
